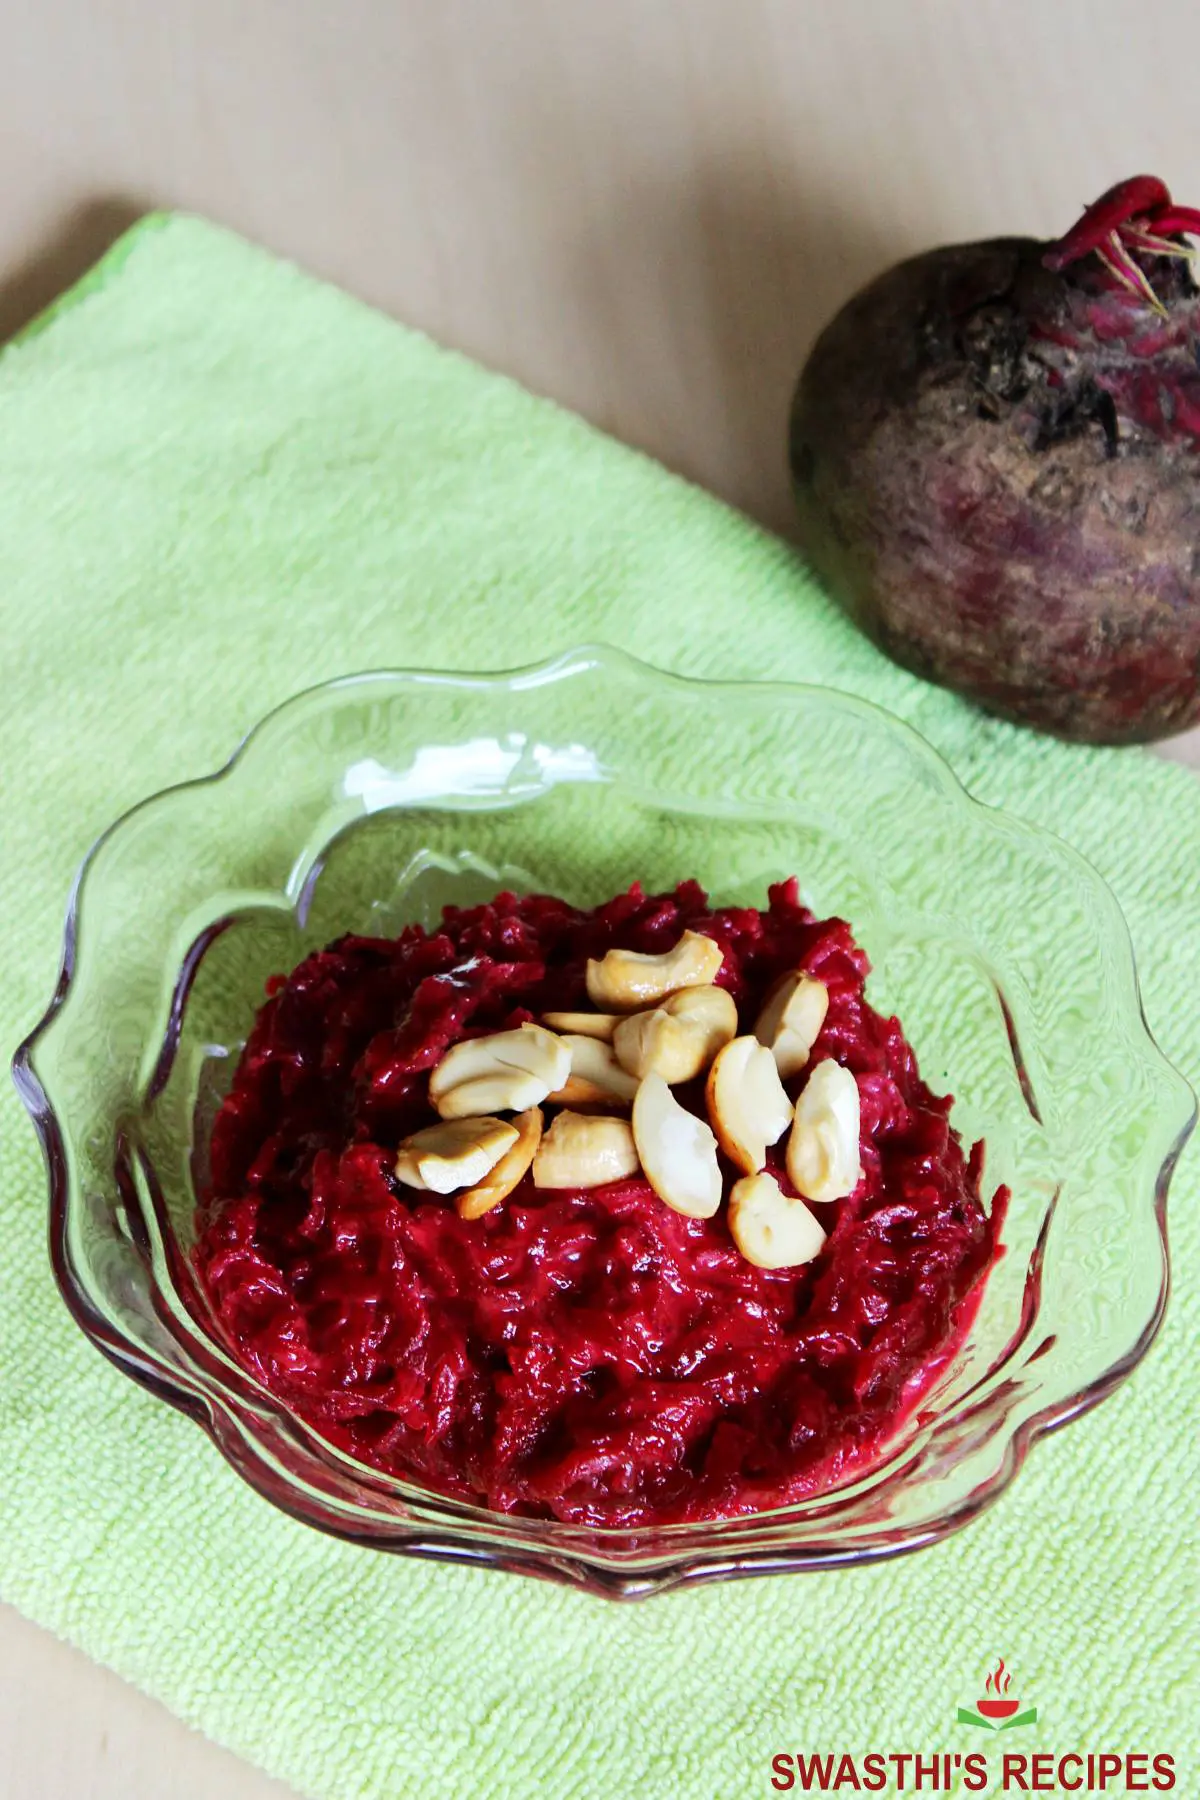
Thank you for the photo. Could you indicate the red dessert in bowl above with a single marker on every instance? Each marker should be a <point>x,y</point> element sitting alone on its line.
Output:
<point>583,1353</point>
<point>383,1365</point>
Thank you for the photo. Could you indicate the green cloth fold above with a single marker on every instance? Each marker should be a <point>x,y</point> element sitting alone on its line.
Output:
<point>223,481</point>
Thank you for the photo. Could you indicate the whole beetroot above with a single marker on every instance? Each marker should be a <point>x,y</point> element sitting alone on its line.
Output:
<point>996,456</point>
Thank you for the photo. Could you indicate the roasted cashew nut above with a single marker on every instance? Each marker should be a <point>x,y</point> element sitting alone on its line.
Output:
<point>583,1024</point>
<point>771,1230</point>
<point>506,1071</point>
<point>624,980</point>
<point>678,1152</point>
<point>504,1176</point>
<point>678,1039</point>
<point>791,1020</point>
<point>596,1076</point>
<point>454,1154</point>
<point>823,1150</point>
<point>584,1150</point>
<point>746,1103</point>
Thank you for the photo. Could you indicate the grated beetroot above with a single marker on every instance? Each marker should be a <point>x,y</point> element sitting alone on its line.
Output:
<point>594,1356</point>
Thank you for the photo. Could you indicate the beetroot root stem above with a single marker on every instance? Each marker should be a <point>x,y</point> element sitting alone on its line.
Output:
<point>1136,217</point>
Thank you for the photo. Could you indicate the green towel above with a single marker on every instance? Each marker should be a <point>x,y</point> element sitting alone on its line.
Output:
<point>223,481</point>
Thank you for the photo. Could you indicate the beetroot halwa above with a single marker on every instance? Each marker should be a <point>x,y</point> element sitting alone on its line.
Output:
<point>591,1356</point>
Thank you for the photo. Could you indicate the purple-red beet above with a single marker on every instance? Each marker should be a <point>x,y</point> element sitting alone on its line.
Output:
<point>996,456</point>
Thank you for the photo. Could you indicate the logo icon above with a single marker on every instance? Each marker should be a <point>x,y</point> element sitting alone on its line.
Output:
<point>998,1709</point>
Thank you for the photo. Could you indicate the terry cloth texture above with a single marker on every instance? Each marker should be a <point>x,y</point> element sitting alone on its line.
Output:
<point>223,481</point>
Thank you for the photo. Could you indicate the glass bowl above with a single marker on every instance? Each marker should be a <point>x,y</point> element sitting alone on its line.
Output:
<point>373,801</point>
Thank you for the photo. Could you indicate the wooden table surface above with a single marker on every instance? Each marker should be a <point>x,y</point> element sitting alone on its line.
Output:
<point>644,208</point>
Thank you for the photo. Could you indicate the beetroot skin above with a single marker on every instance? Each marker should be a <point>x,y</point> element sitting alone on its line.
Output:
<point>996,456</point>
